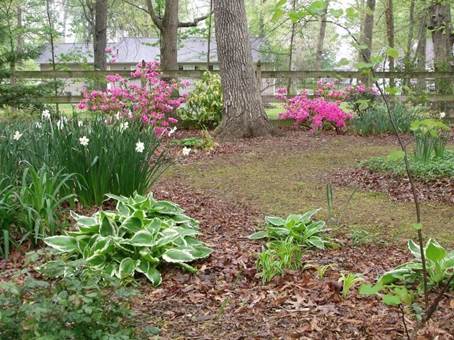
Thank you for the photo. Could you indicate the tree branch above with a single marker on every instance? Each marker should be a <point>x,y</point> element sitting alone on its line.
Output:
<point>135,6</point>
<point>193,23</point>
<point>150,10</point>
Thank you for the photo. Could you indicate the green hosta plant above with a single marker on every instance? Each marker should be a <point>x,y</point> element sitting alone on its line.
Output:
<point>298,229</point>
<point>439,264</point>
<point>135,238</point>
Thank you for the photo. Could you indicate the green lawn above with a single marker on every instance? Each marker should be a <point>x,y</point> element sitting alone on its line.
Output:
<point>279,179</point>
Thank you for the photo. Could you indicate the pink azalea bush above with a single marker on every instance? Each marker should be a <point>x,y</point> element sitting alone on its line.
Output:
<point>324,107</point>
<point>154,101</point>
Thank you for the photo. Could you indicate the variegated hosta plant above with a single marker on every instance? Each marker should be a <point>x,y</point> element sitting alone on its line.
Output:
<point>137,237</point>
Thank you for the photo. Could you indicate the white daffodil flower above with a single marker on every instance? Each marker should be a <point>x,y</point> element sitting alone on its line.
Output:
<point>124,126</point>
<point>80,123</point>
<point>172,131</point>
<point>17,135</point>
<point>140,147</point>
<point>45,114</point>
<point>83,141</point>
<point>442,115</point>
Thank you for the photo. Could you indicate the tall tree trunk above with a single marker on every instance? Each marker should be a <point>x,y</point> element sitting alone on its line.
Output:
<point>321,38</point>
<point>100,36</point>
<point>244,115</point>
<point>50,22</point>
<point>390,35</point>
<point>441,27</point>
<point>210,24</point>
<point>169,36</point>
<point>290,53</point>
<point>368,27</point>
<point>420,55</point>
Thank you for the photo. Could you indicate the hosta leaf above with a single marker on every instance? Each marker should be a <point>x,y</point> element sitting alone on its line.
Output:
<point>154,225</point>
<point>84,221</point>
<point>276,221</point>
<point>107,226</point>
<point>183,232</point>
<point>167,236</point>
<point>414,249</point>
<point>391,300</point>
<point>434,251</point>
<point>132,224</point>
<point>166,208</point>
<point>177,256</point>
<point>62,243</point>
<point>97,260</point>
<point>143,238</point>
<point>127,267</point>
<point>150,272</point>
<point>317,242</point>
<point>258,235</point>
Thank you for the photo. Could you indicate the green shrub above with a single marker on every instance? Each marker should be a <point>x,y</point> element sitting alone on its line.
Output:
<point>394,164</point>
<point>297,229</point>
<point>375,120</point>
<point>204,105</point>
<point>431,137</point>
<point>137,237</point>
<point>7,215</point>
<point>69,308</point>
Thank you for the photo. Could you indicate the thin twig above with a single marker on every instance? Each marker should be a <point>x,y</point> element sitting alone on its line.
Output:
<point>404,322</point>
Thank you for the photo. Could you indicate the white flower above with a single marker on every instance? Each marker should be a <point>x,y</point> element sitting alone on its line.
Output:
<point>172,131</point>
<point>80,123</point>
<point>61,122</point>
<point>17,135</point>
<point>84,141</point>
<point>38,125</point>
<point>124,126</point>
<point>118,115</point>
<point>186,151</point>
<point>130,114</point>
<point>140,147</point>
<point>442,115</point>
<point>45,114</point>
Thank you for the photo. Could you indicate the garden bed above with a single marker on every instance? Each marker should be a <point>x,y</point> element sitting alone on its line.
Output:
<point>397,187</point>
<point>227,299</point>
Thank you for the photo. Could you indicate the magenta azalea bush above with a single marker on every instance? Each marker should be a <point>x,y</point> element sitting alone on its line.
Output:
<point>324,107</point>
<point>154,101</point>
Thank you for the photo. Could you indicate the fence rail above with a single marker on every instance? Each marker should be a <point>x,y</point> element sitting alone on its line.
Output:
<point>261,74</point>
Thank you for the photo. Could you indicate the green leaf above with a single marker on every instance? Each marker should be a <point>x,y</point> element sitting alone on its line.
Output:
<point>62,243</point>
<point>434,251</point>
<point>132,224</point>
<point>417,226</point>
<point>258,235</point>
<point>143,238</point>
<point>127,267</point>
<point>151,273</point>
<point>391,300</point>
<point>107,226</point>
<point>177,256</point>
<point>367,289</point>
<point>276,221</point>
<point>392,53</point>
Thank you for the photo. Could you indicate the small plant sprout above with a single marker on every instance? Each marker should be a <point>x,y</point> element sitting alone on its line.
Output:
<point>84,141</point>
<point>348,281</point>
<point>140,147</point>
<point>323,269</point>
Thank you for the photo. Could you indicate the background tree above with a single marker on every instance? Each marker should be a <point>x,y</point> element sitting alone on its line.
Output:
<point>100,35</point>
<point>244,115</point>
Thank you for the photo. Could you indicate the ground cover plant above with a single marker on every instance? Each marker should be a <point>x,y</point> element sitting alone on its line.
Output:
<point>137,237</point>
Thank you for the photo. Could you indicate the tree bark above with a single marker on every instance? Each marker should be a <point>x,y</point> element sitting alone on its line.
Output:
<point>321,38</point>
<point>100,36</point>
<point>368,27</point>
<point>420,55</point>
<point>290,53</point>
<point>244,115</point>
<point>441,27</point>
<point>390,35</point>
<point>169,34</point>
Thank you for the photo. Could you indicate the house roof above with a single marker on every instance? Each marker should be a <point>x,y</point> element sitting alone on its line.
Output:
<point>134,50</point>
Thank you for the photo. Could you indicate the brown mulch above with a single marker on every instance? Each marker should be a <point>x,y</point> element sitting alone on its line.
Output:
<point>398,188</point>
<point>226,298</point>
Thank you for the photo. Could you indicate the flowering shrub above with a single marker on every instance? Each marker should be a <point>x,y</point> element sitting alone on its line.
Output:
<point>318,110</point>
<point>154,101</point>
